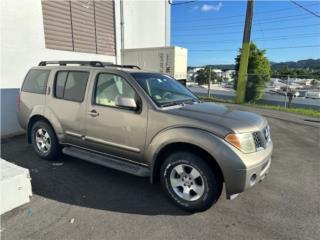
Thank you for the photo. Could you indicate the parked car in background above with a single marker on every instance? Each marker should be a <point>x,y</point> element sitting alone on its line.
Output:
<point>313,94</point>
<point>146,124</point>
<point>228,85</point>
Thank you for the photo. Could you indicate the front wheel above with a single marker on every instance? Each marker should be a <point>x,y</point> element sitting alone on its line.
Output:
<point>190,182</point>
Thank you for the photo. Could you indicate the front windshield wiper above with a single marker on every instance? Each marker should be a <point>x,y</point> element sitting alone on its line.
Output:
<point>169,104</point>
<point>190,101</point>
<point>181,102</point>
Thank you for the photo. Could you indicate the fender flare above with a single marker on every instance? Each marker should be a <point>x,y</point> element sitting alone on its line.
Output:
<point>225,157</point>
<point>44,113</point>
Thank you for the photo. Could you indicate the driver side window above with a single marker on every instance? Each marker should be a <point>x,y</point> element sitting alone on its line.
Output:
<point>109,87</point>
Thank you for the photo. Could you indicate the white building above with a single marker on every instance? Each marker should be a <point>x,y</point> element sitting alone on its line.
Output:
<point>228,74</point>
<point>34,31</point>
<point>218,72</point>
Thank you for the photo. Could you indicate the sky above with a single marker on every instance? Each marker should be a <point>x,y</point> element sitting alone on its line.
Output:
<point>213,30</point>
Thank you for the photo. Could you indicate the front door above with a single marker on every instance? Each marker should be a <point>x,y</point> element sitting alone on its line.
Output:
<point>111,129</point>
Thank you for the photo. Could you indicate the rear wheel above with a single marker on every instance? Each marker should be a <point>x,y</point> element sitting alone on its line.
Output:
<point>190,182</point>
<point>44,140</point>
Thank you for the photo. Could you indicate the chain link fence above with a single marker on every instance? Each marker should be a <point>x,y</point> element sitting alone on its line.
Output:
<point>285,91</point>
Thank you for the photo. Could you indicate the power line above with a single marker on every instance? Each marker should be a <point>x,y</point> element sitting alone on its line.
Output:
<point>272,38</point>
<point>297,36</point>
<point>238,15</point>
<point>306,9</point>
<point>262,20</point>
<point>228,33</point>
<point>238,23</point>
<point>273,48</point>
<point>183,3</point>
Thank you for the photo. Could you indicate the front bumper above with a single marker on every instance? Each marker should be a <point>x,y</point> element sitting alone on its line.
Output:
<point>255,167</point>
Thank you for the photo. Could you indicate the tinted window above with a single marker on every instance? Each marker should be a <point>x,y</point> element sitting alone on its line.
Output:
<point>60,83</point>
<point>71,85</point>
<point>109,87</point>
<point>36,81</point>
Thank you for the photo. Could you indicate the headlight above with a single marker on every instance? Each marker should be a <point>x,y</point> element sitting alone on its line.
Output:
<point>242,141</point>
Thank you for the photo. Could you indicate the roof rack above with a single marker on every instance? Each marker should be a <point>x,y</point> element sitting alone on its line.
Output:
<point>122,66</point>
<point>88,63</point>
<point>64,63</point>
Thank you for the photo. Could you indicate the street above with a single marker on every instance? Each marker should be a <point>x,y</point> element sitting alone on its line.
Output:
<point>74,199</point>
<point>268,98</point>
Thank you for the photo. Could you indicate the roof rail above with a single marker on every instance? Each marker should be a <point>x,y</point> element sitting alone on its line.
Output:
<point>64,63</point>
<point>122,66</point>
<point>88,63</point>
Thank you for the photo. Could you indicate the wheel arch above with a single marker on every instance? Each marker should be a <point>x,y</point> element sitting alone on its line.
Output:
<point>32,121</point>
<point>168,149</point>
<point>214,150</point>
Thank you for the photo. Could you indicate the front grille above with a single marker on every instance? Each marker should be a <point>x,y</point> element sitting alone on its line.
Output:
<point>258,140</point>
<point>262,138</point>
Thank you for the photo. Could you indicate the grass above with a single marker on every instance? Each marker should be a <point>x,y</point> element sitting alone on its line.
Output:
<point>301,111</point>
<point>213,99</point>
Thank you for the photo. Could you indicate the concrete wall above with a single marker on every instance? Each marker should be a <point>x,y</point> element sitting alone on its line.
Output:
<point>9,107</point>
<point>146,23</point>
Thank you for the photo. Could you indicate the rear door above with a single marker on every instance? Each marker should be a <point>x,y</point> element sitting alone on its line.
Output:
<point>111,129</point>
<point>67,103</point>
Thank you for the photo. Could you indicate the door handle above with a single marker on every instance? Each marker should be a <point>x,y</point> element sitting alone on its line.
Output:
<point>93,113</point>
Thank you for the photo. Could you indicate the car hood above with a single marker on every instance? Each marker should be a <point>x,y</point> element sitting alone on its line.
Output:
<point>221,117</point>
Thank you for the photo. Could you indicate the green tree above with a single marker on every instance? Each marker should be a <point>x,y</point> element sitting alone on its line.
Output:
<point>258,73</point>
<point>203,76</point>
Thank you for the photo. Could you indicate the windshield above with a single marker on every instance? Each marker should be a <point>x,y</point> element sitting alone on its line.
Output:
<point>164,90</point>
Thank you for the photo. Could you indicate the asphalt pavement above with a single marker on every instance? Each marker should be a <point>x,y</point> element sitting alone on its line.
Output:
<point>268,97</point>
<point>74,199</point>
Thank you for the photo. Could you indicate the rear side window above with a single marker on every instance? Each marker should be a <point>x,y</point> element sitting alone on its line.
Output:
<point>71,85</point>
<point>36,81</point>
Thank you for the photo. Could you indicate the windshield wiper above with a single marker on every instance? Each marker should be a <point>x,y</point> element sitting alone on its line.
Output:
<point>189,101</point>
<point>181,102</point>
<point>169,104</point>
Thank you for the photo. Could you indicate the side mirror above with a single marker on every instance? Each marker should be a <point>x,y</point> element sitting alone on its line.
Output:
<point>126,102</point>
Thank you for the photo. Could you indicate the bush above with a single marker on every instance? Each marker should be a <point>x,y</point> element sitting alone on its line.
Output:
<point>258,73</point>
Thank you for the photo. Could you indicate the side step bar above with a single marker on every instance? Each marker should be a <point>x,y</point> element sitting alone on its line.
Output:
<point>107,161</point>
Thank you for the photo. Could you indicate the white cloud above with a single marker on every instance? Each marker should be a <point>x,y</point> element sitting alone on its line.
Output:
<point>208,7</point>
<point>195,7</point>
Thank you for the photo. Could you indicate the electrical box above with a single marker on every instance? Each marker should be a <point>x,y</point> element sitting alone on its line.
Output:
<point>171,60</point>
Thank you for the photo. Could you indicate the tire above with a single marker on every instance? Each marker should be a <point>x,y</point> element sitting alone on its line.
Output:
<point>190,182</point>
<point>44,140</point>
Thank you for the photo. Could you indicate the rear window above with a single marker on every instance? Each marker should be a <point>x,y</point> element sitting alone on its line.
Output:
<point>36,81</point>
<point>71,85</point>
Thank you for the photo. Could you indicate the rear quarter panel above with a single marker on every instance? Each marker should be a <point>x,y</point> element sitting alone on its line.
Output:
<point>30,104</point>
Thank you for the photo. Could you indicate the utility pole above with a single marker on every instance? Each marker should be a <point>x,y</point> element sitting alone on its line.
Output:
<point>209,81</point>
<point>242,75</point>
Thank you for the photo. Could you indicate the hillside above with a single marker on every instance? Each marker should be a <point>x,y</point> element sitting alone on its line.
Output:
<point>302,64</point>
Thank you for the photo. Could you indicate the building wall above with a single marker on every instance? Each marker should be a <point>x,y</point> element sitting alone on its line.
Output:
<point>9,106</point>
<point>23,46</point>
<point>146,23</point>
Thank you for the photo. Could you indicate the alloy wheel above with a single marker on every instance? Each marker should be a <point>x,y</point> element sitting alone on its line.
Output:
<point>43,140</point>
<point>187,182</point>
